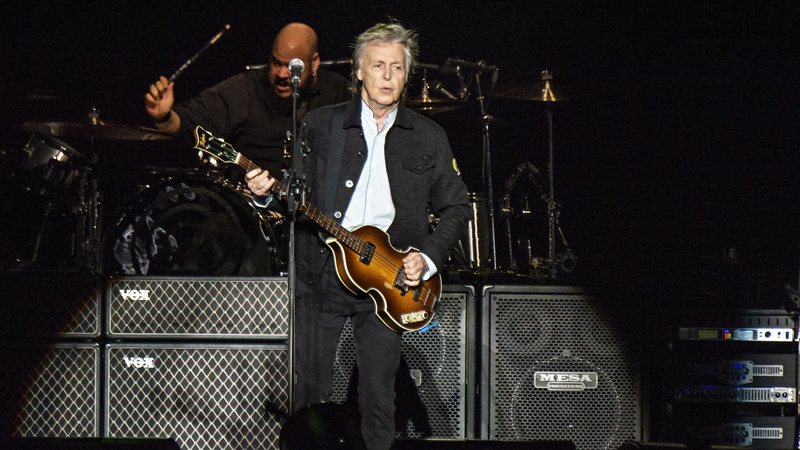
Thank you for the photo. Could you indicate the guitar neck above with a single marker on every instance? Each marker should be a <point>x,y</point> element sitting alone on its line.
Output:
<point>312,212</point>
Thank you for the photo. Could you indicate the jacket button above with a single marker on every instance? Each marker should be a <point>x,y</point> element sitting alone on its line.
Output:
<point>349,183</point>
<point>322,250</point>
<point>337,214</point>
<point>360,154</point>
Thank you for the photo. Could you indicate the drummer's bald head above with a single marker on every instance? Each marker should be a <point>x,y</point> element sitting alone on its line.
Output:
<point>296,36</point>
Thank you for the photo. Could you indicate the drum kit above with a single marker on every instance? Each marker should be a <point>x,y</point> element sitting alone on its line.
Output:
<point>172,221</point>
<point>477,251</point>
<point>202,222</point>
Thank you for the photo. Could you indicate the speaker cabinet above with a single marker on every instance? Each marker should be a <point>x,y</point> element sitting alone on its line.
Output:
<point>50,391</point>
<point>219,308</point>
<point>36,304</point>
<point>203,396</point>
<point>87,444</point>
<point>560,364</point>
<point>435,385</point>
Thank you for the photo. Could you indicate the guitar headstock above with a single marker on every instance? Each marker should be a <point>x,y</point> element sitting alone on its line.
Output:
<point>213,150</point>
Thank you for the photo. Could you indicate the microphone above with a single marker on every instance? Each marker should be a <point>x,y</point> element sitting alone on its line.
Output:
<point>478,66</point>
<point>296,67</point>
<point>439,88</point>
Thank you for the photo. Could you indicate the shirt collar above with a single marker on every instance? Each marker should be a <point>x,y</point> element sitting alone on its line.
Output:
<point>368,116</point>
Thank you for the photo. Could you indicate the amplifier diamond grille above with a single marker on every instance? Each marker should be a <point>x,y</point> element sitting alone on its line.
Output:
<point>221,397</point>
<point>53,391</point>
<point>198,308</point>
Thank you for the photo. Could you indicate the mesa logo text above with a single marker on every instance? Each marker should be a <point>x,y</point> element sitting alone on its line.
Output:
<point>565,381</point>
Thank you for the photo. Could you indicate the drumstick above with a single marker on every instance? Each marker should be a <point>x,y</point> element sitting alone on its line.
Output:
<point>199,52</point>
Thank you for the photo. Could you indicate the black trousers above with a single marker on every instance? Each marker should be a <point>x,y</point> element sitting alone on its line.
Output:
<point>321,312</point>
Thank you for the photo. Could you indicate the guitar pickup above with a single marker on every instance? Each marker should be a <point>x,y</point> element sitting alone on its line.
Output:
<point>400,281</point>
<point>366,257</point>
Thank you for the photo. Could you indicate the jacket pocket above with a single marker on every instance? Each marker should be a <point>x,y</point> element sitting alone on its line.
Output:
<point>418,164</point>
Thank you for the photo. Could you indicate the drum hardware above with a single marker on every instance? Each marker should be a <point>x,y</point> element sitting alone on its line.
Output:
<point>86,199</point>
<point>544,93</point>
<point>94,129</point>
<point>88,212</point>
<point>507,212</point>
<point>434,96</point>
<point>486,120</point>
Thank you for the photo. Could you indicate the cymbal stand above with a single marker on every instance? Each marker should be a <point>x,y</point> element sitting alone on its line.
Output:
<point>486,119</point>
<point>567,260</point>
<point>89,207</point>
<point>552,205</point>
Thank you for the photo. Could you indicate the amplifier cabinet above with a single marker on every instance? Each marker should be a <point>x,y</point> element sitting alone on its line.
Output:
<point>50,391</point>
<point>436,384</point>
<point>49,304</point>
<point>216,308</point>
<point>560,363</point>
<point>203,396</point>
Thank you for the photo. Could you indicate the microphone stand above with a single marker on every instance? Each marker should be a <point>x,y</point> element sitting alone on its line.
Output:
<point>296,194</point>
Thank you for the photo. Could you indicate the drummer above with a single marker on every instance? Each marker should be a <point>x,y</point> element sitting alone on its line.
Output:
<point>253,110</point>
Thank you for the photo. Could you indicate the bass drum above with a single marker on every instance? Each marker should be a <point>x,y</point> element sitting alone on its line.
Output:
<point>194,226</point>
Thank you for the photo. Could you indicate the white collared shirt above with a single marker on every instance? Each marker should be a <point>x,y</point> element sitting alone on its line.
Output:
<point>371,203</point>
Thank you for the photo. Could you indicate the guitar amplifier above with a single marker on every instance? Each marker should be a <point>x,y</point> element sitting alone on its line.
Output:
<point>50,391</point>
<point>218,308</point>
<point>436,382</point>
<point>223,397</point>
<point>49,304</point>
<point>561,363</point>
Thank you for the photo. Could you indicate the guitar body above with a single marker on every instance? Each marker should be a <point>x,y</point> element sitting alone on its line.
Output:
<point>399,308</point>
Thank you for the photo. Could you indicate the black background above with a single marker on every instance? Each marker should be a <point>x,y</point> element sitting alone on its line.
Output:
<point>678,144</point>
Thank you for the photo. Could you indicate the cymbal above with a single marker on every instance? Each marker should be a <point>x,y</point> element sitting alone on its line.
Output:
<point>433,105</point>
<point>101,131</point>
<point>542,91</point>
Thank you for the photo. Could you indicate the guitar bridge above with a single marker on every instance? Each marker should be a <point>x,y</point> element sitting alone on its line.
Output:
<point>366,257</point>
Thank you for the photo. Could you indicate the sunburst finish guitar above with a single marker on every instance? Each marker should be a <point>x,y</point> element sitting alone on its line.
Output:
<point>365,259</point>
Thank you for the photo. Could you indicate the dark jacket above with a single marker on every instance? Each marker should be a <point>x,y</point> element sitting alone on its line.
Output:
<point>423,178</point>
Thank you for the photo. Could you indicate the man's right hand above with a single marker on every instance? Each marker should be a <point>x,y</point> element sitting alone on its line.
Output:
<point>158,102</point>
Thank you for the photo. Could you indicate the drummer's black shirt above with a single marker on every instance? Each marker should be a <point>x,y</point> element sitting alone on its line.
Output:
<point>248,114</point>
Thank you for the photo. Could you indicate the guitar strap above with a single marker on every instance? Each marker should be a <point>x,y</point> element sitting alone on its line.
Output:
<point>333,165</point>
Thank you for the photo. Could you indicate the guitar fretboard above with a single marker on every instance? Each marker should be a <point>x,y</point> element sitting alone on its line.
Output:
<point>323,220</point>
